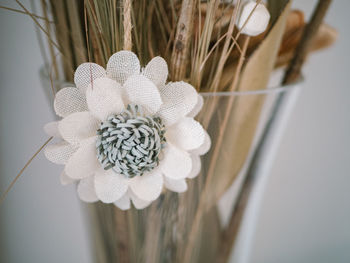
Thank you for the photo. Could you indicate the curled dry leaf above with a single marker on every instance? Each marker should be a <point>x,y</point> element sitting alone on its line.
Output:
<point>324,38</point>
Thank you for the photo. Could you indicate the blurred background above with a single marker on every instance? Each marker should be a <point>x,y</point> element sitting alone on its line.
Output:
<point>305,213</point>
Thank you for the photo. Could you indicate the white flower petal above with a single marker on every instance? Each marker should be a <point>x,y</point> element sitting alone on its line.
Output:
<point>205,147</point>
<point>59,153</point>
<point>178,186</point>
<point>124,202</point>
<point>68,101</point>
<point>197,108</point>
<point>51,129</point>
<point>177,164</point>
<point>83,162</point>
<point>148,186</point>
<point>65,179</point>
<point>139,203</point>
<point>86,190</point>
<point>179,98</point>
<point>157,71</point>
<point>122,65</point>
<point>196,166</point>
<point>140,90</point>
<point>109,185</point>
<point>104,98</point>
<point>78,126</point>
<point>87,73</point>
<point>186,134</point>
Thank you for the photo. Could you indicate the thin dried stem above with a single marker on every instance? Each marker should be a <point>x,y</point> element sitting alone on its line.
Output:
<point>79,51</point>
<point>50,45</point>
<point>240,64</point>
<point>224,56</point>
<point>86,26</point>
<point>216,44</point>
<point>63,37</point>
<point>127,24</point>
<point>97,32</point>
<point>39,37</point>
<point>3,196</point>
<point>149,32</point>
<point>25,13</point>
<point>224,53</point>
<point>38,24</point>
<point>202,41</point>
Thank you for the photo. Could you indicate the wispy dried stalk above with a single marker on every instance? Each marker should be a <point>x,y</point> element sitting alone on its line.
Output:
<point>203,38</point>
<point>3,196</point>
<point>23,12</point>
<point>38,24</point>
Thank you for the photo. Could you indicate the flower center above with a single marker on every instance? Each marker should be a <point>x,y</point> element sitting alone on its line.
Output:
<point>130,142</point>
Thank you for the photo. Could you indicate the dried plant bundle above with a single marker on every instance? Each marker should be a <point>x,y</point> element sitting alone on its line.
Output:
<point>202,45</point>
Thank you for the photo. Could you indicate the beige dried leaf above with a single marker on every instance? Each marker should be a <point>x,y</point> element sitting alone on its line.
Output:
<point>241,127</point>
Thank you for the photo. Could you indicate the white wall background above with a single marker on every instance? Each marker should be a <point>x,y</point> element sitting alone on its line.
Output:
<point>305,215</point>
<point>40,221</point>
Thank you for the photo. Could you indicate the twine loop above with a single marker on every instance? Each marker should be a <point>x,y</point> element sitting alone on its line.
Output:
<point>130,142</point>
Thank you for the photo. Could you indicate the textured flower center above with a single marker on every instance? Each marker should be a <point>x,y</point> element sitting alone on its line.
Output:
<point>130,142</point>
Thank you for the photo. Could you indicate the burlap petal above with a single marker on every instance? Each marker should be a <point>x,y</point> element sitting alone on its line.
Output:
<point>197,108</point>
<point>177,164</point>
<point>83,162</point>
<point>59,153</point>
<point>86,190</point>
<point>137,202</point>
<point>122,65</point>
<point>178,186</point>
<point>69,100</point>
<point>51,129</point>
<point>186,134</point>
<point>196,166</point>
<point>179,98</point>
<point>124,202</point>
<point>205,147</point>
<point>140,90</point>
<point>65,179</point>
<point>148,186</point>
<point>87,73</point>
<point>78,126</point>
<point>157,71</point>
<point>104,98</point>
<point>109,185</point>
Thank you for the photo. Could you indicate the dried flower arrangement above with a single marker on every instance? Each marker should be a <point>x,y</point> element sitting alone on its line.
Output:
<point>215,46</point>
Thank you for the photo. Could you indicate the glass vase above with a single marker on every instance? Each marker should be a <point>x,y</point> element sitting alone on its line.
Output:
<point>218,211</point>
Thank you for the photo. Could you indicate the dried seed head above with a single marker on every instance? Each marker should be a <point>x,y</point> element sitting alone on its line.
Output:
<point>257,22</point>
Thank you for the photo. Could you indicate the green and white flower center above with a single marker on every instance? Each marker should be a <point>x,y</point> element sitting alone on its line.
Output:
<point>130,143</point>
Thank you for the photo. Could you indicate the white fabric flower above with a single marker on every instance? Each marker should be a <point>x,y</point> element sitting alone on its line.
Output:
<point>125,133</point>
<point>258,21</point>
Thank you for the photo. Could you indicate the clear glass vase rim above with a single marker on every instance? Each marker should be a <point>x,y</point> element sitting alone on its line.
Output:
<point>275,89</point>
